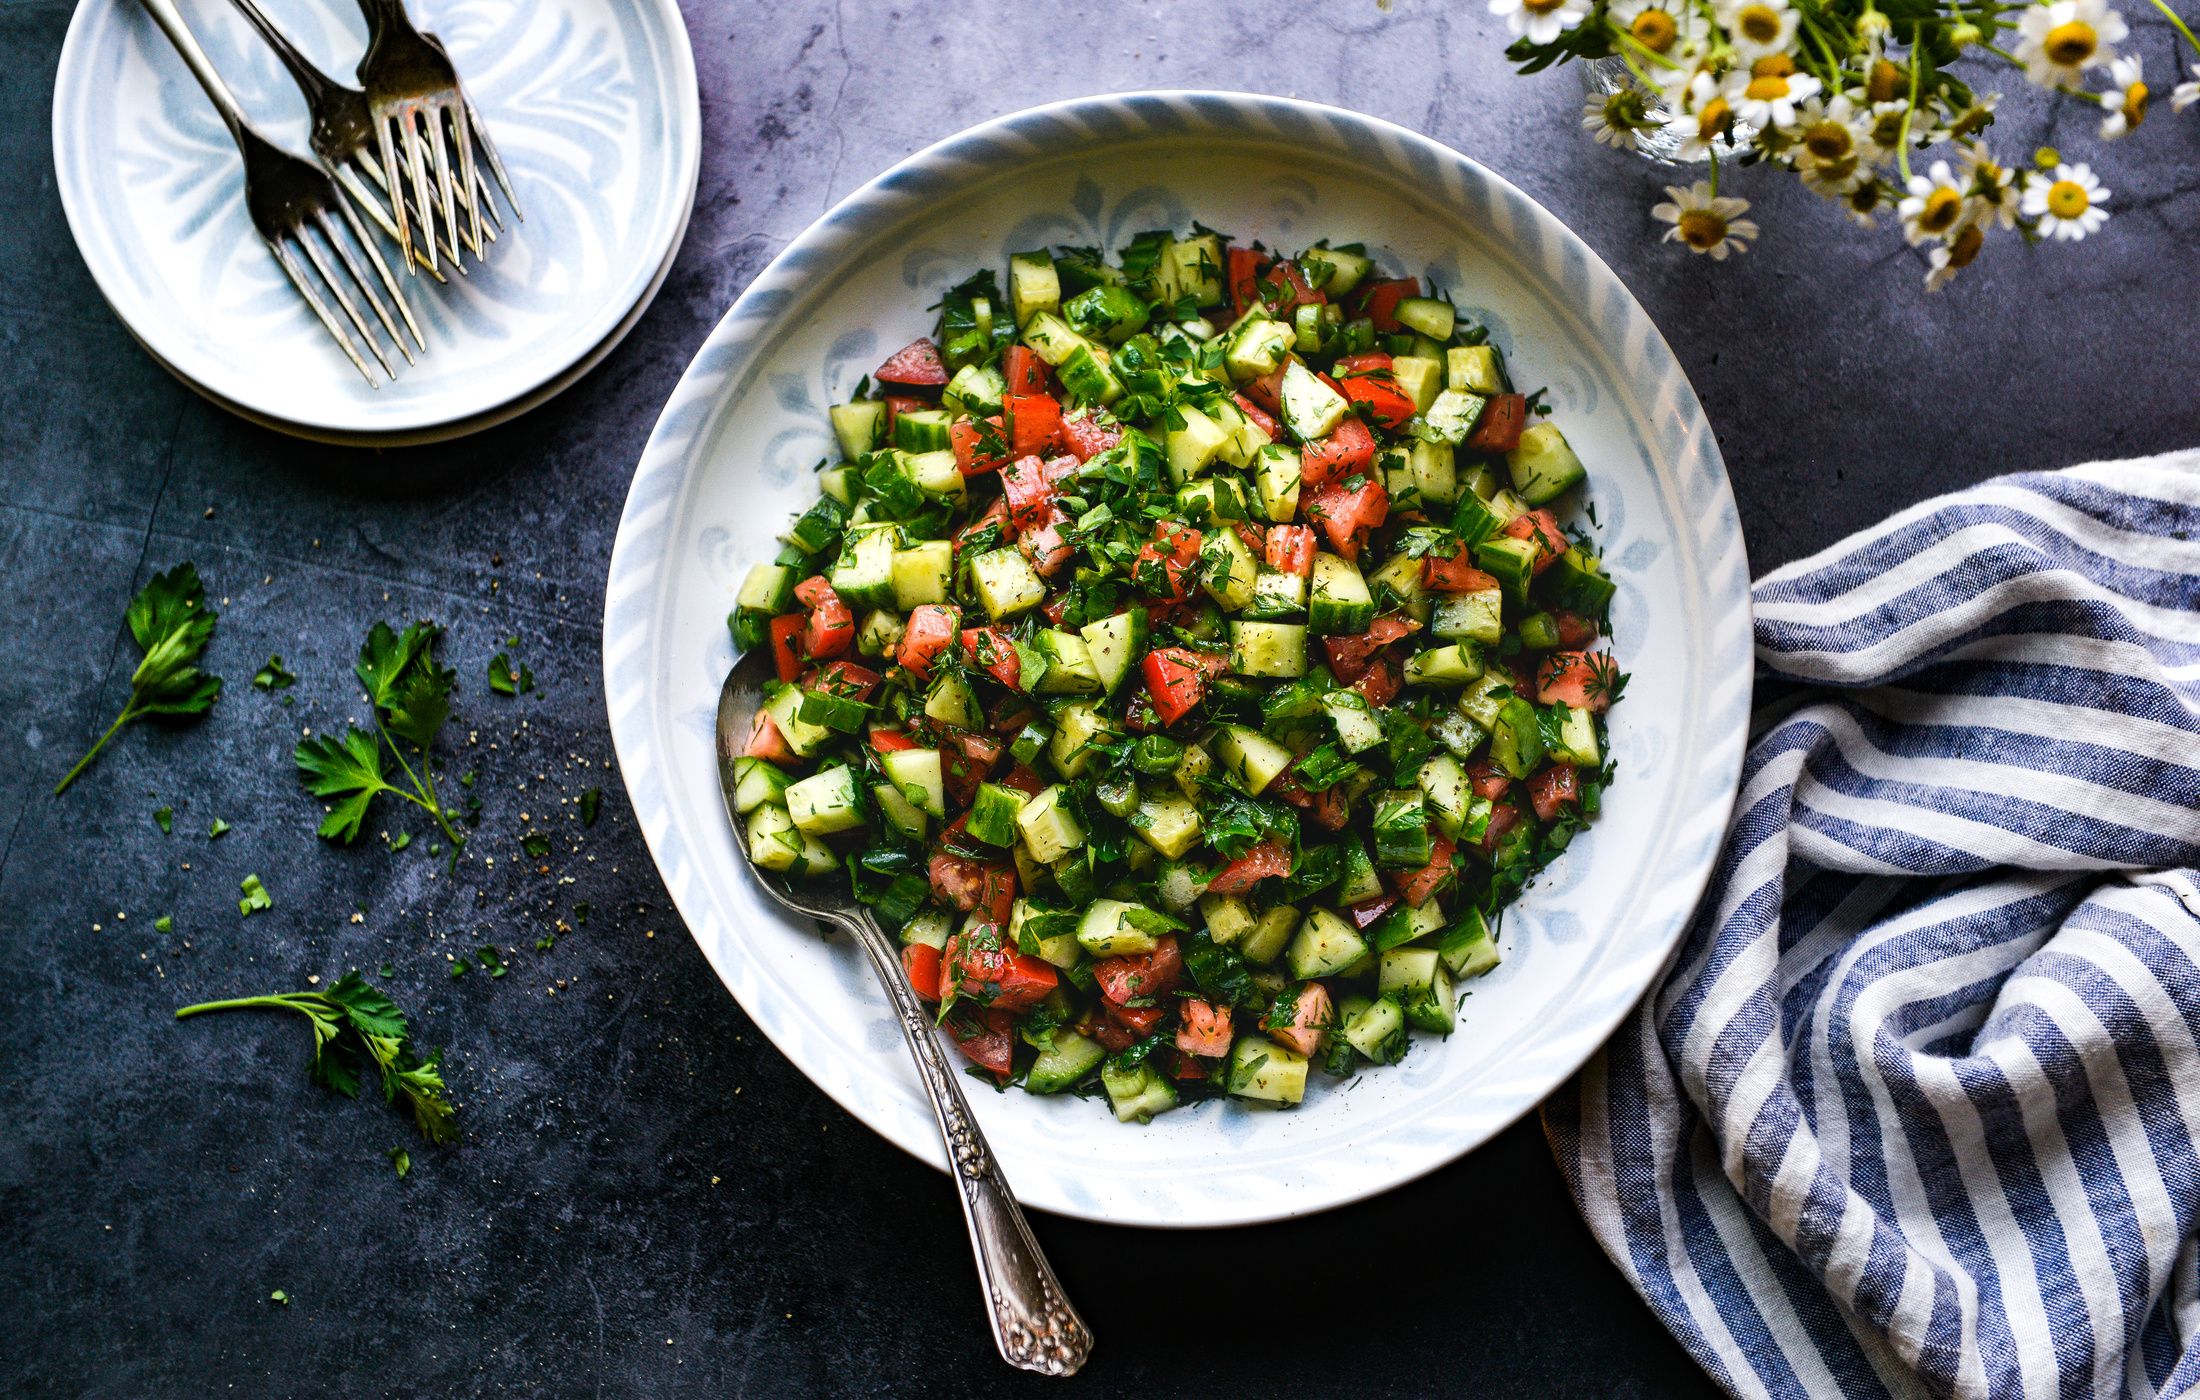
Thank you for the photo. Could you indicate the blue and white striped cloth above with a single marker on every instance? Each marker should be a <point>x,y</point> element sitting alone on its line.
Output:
<point>1916,1108</point>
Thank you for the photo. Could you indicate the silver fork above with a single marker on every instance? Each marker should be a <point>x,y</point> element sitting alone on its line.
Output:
<point>289,199</point>
<point>416,101</point>
<point>342,135</point>
<point>1034,1325</point>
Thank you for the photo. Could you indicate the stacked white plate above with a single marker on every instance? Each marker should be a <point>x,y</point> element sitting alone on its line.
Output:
<point>594,109</point>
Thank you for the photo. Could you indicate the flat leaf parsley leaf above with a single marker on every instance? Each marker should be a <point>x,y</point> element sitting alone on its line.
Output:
<point>411,696</point>
<point>356,1025</point>
<point>172,624</point>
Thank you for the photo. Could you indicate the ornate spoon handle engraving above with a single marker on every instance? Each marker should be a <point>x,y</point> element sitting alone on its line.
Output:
<point>1033,1322</point>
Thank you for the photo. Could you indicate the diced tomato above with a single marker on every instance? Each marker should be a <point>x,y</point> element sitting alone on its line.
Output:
<point>1554,789</point>
<point>921,963</point>
<point>1045,547</point>
<point>1245,265</point>
<point>978,966</point>
<point>766,742</point>
<point>1139,1020</point>
<point>1486,779</point>
<point>1283,287</point>
<point>1349,657</point>
<point>1347,449</point>
<point>1380,684</point>
<point>786,650</point>
<point>1422,884</point>
<point>1453,572</point>
<point>971,885</point>
<point>1177,681</point>
<point>1582,679</point>
<point>1141,976</point>
<point>1574,630</point>
<point>1029,493</point>
<point>932,628</point>
<point>1086,437</point>
<point>1310,1020</point>
<point>1382,298</point>
<point>1499,428</point>
<point>1386,403</point>
<point>995,515</point>
<point>1503,818</point>
<point>1269,858</point>
<point>832,628</point>
<point>1191,1066</point>
<point>989,1039</point>
<point>1261,417</point>
<point>1366,362</point>
<point>1206,1028</point>
<point>1056,608</point>
<point>1112,1037</point>
<point>1328,808</point>
<point>1034,422</point>
<point>1369,912</point>
<point>1346,511</point>
<point>1540,527</point>
<point>898,404</point>
<point>1023,371</point>
<point>1291,550</point>
<point>989,649</point>
<point>1060,469</point>
<point>1024,781</point>
<point>981,445</point>
<point>1174,549</point>
<point>1254,534</point>
<point>918,362</point>
<point>848,680</point>
<point>891,740</point>
<point>1138,715</point>
<point>1267,391</point>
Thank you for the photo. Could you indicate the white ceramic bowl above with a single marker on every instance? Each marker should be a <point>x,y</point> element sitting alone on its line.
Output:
<point>730,462</point>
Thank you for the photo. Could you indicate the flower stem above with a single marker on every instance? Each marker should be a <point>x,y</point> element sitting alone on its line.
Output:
<point>2179,24</point>
<point>1909,110</point>
<point>85,762</point>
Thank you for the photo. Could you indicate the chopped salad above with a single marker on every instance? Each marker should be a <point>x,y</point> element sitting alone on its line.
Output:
<point>1191,656</point>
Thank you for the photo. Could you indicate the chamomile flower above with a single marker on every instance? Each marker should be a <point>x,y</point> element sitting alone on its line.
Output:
<point>1707,223</point>
<point>1862,204</point>
<point>1953,256</point>
<point>1704,115</point>
<point>1540,20</point>
<point>2185,94</point>
<point>1619,119</point>
<point>1992,188</point>
<point>2066,202</point>
<point>1758,27</point>
<point>2057,42</point>
<point>1833,150</point>
<point>1766,96</point>
<point>1661,26</point>
<point>1934,205</point>
<point>2126,102</point>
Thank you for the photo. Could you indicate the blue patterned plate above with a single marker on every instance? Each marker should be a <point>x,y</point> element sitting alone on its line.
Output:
<point>594,108</point>
<point>731,460</point>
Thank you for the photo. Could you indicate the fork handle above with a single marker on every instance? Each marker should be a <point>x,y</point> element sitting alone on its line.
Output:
<point>310,80</point>
<point>1033,1323</point>
<point>171,22</point>
<point>381,17</point>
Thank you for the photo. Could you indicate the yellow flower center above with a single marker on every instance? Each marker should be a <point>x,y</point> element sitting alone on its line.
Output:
<point>1766,89</point>
<point>1760,24</point>
<point>1940,211</point>
<point>1884,82</point>
<point>1654,30</point>
<point>1828,141</point>
<point>2067,199</point>
<point>1865,197</point>
<point>1540,7</point>
<point>1702,230</point>
<point>1965,245</point>
<point>1715,119</point>
<point>1887,129</point>
<point>2069,45</point>
<point>1773,65</point>
<point>2135,104</point>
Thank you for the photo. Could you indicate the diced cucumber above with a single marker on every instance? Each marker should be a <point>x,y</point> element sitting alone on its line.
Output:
<point>839,713</point>
<point>1334,271</point>
<point>1067,1059</point>
<point>803,738</point>
<point>1577,740</point>
<point>1276,594</point>
<point>1420,380</point>
<point>923,430</point>
<point>1114,645</point>
<point>1270,649</point>
<point>1435,472</point>
<point>1246,439</point>
<point>1086,377</point>
<point>1033,285</point>
<point>1196,764</point>
<point>1061,948</point>
<point>1214,501</point>
<point>1416,978</point>
<point>1276,470</point>
<point>1475,369</point>
<point>864,577</point>
<point>817,858</point>
<point>767,589</point>
<point>1444,667</point>
<point>1444,783</point>
<point>1138,1093</point>
<point>1516,741</point>
<point>1255,759</point>
<point>1076,726</point>
<point>1179,884</point>
<point>1543,466</point>
<point>1107,930</point>
<point>952,701</point>
<point>1108,312</point>
<point>1377,1030</point>
<point>1227,917</point>
<point>1576,582</point>
<point>1407,923</point>
<point>1228,571</point>
<point>880,633</point>
<point>923,573</point>
<point>993,814</point>
<point>1469,949</point>
<point>1307,325</point>
<point>1255,347</point>
<point>1510,561</point>
<point>1194,445</point>
<point>929,927</point>
<point>1398,584</point>
<point>840,483</point>
<point>916,772</point>
<point>1477,617</point>
<point>1311,409</point>
<point>935,474</point>
<point>1049,828</point>
<point>1357,728</point>
<point>1005,583</point>
<point>899,811</point>
<point>859,427</point>
<point>1401,830</point>
<point>774,841</point>
<point>1458,733</point>
<point>1167,822</point>
<point>1483,700</point>
<point>1453,415</point>
<point>1338,602</point>
<point>1196,268</point>
<point>1270,935</point>
<point>826,802</point>
<point>1426,315</point>
<point>975,391</point>
<point>1361,880</point>
<point>1261,1069</point>
<point>756,782</point>
<point>1069,667</point>
<point>1324,946</point>
<point>1050,338</point>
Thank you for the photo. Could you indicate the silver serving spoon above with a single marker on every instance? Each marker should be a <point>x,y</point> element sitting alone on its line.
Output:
<point>1033,1323</point>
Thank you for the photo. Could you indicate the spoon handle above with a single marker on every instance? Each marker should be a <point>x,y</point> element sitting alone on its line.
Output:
<point>1033,1323</point>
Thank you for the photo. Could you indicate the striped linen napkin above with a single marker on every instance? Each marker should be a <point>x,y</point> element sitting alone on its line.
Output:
<point>1916,1107</point>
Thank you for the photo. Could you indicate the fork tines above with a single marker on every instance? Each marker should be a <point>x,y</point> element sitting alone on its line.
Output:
<point>416,140</point>
<point>317,237</point>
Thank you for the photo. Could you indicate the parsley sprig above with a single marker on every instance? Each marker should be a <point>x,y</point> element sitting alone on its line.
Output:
<point>354,1025</point>
<point>172,624</point>
<point>411,699</point>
